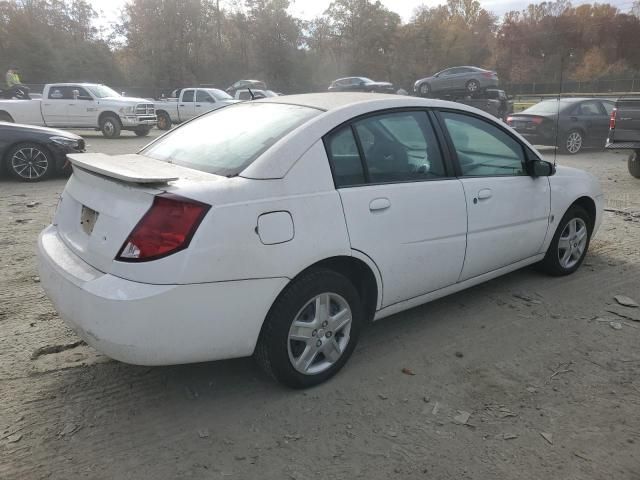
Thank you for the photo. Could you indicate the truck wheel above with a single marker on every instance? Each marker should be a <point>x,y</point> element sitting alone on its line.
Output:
<point>634,164</point>
<point>572,143</point>
<point>110,126</point>
<point>29,162</point>
<point>164,121</point>
<point>142,131</point>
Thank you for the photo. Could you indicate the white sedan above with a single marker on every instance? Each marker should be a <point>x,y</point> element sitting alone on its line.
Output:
<point>279,228</point>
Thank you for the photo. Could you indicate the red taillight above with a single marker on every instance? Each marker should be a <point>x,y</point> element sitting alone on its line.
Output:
<point>488,74</point>
<point>166,228</point>
<point>612,120</point>
<point>537,120</point>
<point>509,120</point>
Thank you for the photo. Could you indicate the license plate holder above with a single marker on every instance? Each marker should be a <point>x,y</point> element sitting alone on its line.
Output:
<point>88,219</point>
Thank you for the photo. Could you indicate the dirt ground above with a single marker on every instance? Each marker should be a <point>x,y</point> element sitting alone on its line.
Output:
<point>547,375</point>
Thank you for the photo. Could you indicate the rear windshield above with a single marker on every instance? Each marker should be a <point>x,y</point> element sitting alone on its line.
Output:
<point>548,107</point>
<point>228,140</point>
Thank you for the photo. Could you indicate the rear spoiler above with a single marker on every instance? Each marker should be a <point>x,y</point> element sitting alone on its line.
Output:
<point>134,168</point>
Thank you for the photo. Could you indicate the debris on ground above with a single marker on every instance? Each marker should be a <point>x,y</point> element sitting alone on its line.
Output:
<point>36,279</point>
<point>582,456</point>
<point>426,399</point>
<point>633,315</point>
<point>436,407</point>
<point>462,418</point>
<point>562,368</point>
<point>626,301</point>
<point>204,433</point>
<point>15,438</point>
<point>526,298</point>
<point>49,349</point>
<point>69,429</point>
<point>382,396</point>
<point>459,354</point>
<point>32,204</point>
<point>615,325</point>
<point>548,437</point>
<point>507,436</point>
<point>408,371</point>
<point>532,389</point>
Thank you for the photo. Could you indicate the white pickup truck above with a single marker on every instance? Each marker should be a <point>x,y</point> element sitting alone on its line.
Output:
<point>82,105</point>
<point>190,103</point>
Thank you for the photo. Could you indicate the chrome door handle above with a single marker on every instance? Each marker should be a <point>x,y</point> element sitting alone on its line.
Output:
<point>484,194</point>
<point>379,204</point>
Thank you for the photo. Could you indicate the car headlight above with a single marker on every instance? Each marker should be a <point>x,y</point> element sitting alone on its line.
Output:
<point>128,110</point>
<point>65,141</point>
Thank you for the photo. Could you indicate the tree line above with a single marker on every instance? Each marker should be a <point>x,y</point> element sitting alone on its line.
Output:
<point>163,44</point>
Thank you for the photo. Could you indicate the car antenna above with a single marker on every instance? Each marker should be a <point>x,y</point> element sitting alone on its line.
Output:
<point>253,97</point>
<point>555,150</point>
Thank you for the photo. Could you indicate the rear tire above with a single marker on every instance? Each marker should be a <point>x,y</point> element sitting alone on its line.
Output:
<point>164,121</point>
<point>473,86</point>
<point>572,142</point>
<point>311,330</point>
<point>110,126</point>
<point>30,162</point>
<point>569,245</point>
<point>633,163</point>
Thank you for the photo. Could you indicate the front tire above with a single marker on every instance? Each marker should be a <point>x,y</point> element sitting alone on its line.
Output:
<point>110,126</point>
<point>425,90</point>
<point>164,121</point>
<point>570,243</point>
<point>633,163</point>
<point>142,131</point>
<point>30,162</point>
<point>311,330</point>
<point>572,143</point>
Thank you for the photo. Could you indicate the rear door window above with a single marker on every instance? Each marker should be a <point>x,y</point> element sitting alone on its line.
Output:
<point>344,157</point>
<point>187,96</point>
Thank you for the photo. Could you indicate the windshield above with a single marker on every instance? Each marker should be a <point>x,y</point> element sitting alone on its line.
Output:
<point>102,91</point>
<point>547,106</point>
<point>219,94</point>
<point>228,140</point>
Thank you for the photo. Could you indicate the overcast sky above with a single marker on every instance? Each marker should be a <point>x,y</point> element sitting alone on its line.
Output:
<point>309,9</point>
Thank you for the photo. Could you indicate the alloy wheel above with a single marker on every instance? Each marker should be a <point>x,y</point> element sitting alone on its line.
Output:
<point>30,163</point>
<point>572,243</point>
<point>319,334</point>
<point>574,142</point>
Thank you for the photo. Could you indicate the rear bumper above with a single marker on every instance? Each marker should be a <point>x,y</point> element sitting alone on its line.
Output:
<point>148,324</point>
<point>622,146</point>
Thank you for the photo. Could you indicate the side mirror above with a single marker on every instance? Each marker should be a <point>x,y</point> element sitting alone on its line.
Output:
<point>540,168</point>
<point>76,94</point>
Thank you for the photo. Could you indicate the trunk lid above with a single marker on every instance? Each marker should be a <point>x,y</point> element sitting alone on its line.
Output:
<point>107,196</point>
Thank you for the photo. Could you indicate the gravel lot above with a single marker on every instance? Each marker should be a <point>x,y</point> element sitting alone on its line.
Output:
<point>552,389</point>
